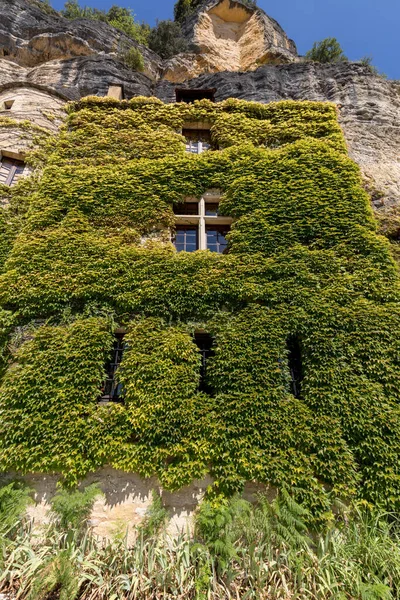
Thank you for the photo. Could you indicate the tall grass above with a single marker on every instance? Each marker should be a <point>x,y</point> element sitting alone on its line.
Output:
<point>237,551</point>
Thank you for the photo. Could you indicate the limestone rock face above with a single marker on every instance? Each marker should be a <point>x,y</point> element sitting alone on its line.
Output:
<point>77,77</point>
<point>29,37</point>
<point>228,35</point>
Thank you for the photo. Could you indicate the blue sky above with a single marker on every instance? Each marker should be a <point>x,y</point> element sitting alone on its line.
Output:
<point>363,27</point>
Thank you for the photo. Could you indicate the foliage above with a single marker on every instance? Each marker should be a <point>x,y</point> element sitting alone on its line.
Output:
<point>357,557</point>
<point>14,498</point>
<point>57,575</point>
<point>73,508</point>
<point>44,5</point>
<point>166,39</point>
<point>367,62</point>
<point>92,250</point>
<point>117,16</point>
<point>327,51</point>
<point>132,58</point>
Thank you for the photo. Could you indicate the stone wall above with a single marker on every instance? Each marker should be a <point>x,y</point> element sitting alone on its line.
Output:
<point>126,498</point>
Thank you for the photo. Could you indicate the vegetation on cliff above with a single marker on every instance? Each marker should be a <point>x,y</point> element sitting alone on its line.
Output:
<point>119,17</point>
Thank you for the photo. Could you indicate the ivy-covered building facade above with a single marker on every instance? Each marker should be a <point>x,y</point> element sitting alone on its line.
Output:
<point>198,288</point>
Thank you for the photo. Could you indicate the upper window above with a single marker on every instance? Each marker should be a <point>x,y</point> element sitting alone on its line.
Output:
<point>8,104</point>
<point>189,96</point>
<point>11,170</point>
<point>112,390</point>
<point>200,227</point>
<point>197,140</point>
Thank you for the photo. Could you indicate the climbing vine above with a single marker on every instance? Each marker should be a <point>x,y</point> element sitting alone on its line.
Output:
<point>305,261</point>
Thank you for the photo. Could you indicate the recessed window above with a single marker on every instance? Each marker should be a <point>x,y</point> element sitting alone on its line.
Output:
<point>8,104</point>
<point>204,342</point>
<point>200,227</point>
<point>11,170</point>
<point>197,140</point>
<point>189,96</point>
<point>116,92</point>
<point>112,390</point>
<point>295,364</point>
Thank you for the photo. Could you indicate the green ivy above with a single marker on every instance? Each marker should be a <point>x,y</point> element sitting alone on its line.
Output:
<point>91,248</point>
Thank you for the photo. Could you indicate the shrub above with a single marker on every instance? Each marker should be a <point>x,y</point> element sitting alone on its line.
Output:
<point>166,39</point>
<point>132,58</point>
<point>73,508</point>
<point>327,51</point>
<point>117,16</point>
<point>14,498</point>
<point>367,62</point>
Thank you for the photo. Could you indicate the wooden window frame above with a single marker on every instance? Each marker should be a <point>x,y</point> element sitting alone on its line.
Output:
<point>201,220</point>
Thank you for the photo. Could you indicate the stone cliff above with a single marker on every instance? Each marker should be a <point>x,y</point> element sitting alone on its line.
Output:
<point>241,52</point>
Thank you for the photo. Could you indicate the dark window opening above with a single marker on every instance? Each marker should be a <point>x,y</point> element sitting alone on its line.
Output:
<point>11,170</point>
<point>187,208</point>
<point>186,239</point>
<point>8,104</point>
<point>189,96</point>
<point>295,365</point>
<point>216,238</point>
<point>112,390</point>
<point>212,209</point>
<point>204,342</point>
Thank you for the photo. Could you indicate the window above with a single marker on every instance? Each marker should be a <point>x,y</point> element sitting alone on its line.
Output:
<point>216,238</point>
<point>204,342</point>
<point>295,364</point>
<point>11,170</point>
<point>116,91</point>
<point>199,225</point>
<point>197,140</point>
<point>189,96</point>
<point>186,238</point>
<point>112,390</point>
<point>8,104</point>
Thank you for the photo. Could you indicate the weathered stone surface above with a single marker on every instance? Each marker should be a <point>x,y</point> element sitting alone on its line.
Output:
<point>125,500</point>
<point>369,110</point>
<point>228,35</point>
<point>77,77</point>
<point>30,37</point>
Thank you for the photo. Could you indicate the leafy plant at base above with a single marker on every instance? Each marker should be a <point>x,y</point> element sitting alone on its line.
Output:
<point>14,499</point>
<point>73,508</point>
<point>57,577</point>
<point>327,51</point>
